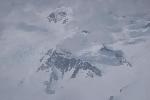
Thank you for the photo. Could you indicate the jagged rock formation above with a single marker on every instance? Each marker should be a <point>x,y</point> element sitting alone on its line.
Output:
<point>116,56</point>
<point>58,62</point>
<point>111,98</point>
<point>147,25</point>
<point>106,56</point>
<point>62,15</point>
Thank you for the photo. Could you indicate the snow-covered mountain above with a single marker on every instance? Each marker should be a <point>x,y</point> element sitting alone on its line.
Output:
<point>62,64</point>
<point>61,15</point>
<point>59,62</point>
<point>74,50</point>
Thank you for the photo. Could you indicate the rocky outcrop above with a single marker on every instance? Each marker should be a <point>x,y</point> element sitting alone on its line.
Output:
<point>59,62</point>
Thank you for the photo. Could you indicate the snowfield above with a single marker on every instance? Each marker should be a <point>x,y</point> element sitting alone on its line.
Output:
<point>75,50</point>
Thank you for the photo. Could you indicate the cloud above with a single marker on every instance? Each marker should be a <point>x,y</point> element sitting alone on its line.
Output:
<point>26,34</point>
<point>30,28</point>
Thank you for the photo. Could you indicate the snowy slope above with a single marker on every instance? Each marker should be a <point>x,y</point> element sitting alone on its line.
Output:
<point>74,50</point>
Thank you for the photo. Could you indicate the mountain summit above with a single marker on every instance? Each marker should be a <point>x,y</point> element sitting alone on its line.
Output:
<point>59,62</point>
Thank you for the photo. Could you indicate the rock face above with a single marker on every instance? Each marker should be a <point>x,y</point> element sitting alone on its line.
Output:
<point>106,56</point>
<point>59,62</point>
<point>114,57</point>
<point>60,15</point>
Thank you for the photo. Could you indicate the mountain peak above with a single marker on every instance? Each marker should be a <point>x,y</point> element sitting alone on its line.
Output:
<point>60,15</point>
<point>59,62</point>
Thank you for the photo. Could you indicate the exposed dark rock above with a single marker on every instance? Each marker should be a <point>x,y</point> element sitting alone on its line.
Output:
<point>115,57</point>
<point>111,98</point>
<point>59,15</point>
<point>147,25</point>
<point>62,61</point>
